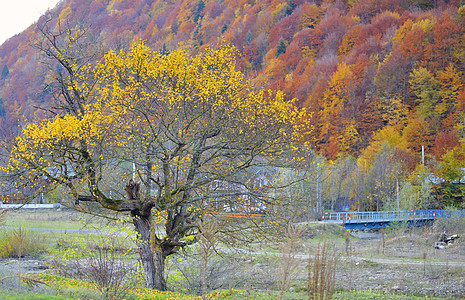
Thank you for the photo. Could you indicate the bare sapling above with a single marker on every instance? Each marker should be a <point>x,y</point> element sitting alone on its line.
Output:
<point>106,268</point>
<point>289,265</point>
<point>322,273</point>
<point>383,240</point>
<point>207,238</point>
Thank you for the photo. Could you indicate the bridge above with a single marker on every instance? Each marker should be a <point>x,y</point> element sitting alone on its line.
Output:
<point>382,219</point>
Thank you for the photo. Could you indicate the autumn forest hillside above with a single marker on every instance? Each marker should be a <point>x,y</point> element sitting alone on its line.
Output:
<point>375,74</point>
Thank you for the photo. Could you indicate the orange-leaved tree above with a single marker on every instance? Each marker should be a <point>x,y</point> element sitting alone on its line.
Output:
<point>156,135</point>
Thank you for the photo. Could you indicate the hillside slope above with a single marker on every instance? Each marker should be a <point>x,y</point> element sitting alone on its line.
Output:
<point>371,71</point>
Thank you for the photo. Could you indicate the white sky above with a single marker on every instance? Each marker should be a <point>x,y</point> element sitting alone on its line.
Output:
<point>17,15</point>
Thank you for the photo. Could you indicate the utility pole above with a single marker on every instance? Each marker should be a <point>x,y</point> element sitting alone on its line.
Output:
<point>318,189</point>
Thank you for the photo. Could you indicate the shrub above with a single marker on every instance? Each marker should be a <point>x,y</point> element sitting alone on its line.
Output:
<point>187,273</point>
<point>18,242</point>
<point>104,262</point>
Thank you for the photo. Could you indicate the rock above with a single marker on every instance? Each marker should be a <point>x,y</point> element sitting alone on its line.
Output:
<point>440,245</point>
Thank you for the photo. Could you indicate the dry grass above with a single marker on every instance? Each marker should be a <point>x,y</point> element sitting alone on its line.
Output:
<point>322,273</point>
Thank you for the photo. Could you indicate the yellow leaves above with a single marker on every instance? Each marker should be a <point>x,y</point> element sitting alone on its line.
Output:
<point>64,14</point>
<point>39,143</point>
<point>145,100</point>
<point>159,217</point>
<point>451,84</point>
<point>110,6</point>
<point>425,24</point>
<point>337,93</point>
<point>393,110</point>
<point>402,31</point>
<point>385,14</point>
<point>67,127</point>
<point>389,135</point>
<point>280,7</point>
<point>349,137</point>
<point>311,15</point>
<point>350,39</point>
<point>310,54</point>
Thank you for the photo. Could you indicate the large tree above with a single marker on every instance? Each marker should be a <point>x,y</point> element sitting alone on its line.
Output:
<point>155,135</point>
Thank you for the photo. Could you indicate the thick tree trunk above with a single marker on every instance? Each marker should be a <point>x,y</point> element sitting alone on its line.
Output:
<point>151,255</point>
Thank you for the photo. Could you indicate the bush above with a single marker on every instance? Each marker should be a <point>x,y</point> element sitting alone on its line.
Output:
<point>186,273</point>
<point>103,261</point>
<point>18,242</point>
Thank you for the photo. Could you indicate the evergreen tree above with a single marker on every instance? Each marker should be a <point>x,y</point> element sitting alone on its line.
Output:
<point>200,7</point>
<point>281,49</point>
<point>249,37</point>
<point>197,36</point>
<point>2,108</point>
<point>290,7</point>
<point>224,28</point>
<point>5,71</point>
<point>164,51</point>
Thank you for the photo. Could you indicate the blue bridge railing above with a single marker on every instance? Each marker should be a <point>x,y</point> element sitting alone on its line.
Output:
<point>381,219</point>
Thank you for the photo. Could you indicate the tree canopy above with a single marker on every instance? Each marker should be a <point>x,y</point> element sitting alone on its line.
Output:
<point>160,136</point>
